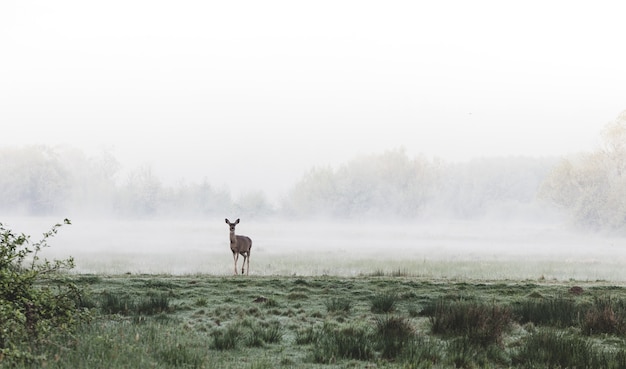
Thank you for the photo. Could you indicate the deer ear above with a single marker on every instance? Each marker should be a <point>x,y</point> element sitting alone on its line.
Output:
<point>237,221</point>
<point>227,222</point>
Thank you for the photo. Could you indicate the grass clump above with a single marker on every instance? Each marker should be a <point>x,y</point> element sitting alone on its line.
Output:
<point>249,333</point>
<point>463,352</point>
<point>421,352</point>
<point>121,304</point>
<point>384,303</point>
<point>226,339</point>
<point>394,334</point>
<point>482,324</point>
<point>557,312</point>
<point>124,304</point>
<point>305,336</point>
<point>180,356</point>
<point>607,315</point>
<point>202,302</point>
<point>550,349</point>
<point>152,305</point>
<point>297,296</point>
<point>268,333</point>
<point>351,342</point>
<point>338,304</point>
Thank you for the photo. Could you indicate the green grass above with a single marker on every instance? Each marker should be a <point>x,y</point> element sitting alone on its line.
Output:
<point>384,302</point>
<point>384,321</point>
<point>481,323</point>
<point>338,305</point>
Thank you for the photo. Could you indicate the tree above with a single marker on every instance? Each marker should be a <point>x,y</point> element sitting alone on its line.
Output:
<point>33,180</point>
<point>385,184</point>
<point>142,193</point>
<point>484,186</point>
<point>591,187</point>
<point>253,204</point>
<point>91,180</point>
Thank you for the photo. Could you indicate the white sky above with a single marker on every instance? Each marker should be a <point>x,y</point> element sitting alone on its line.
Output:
<point>252,94</point>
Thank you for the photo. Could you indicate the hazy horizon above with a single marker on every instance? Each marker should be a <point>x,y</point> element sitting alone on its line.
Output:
<point>251,96</point>
<point>254,94</point>
<point>491,250</point>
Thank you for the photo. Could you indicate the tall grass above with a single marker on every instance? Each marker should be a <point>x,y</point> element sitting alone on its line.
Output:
<point>350,342</point>
<point>308,335</point>
<point>557,312</point>
<point>111,303</point>
<point>384,302</point>
<point>269,333</point>
<point>209,324</point>
<point>181,356</point>
<point>152,305</point>
<point>338,304</point>
<point>247,333</point>
<point>550,349</point>
<point>482,324</point>
<point>421,353</point>
<point>149,345</point>
<point>607,315</point>
<point>123,304</point>
<point>226,339</point>
<point>393,334</point>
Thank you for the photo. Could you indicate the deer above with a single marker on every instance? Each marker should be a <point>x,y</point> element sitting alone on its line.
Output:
<point>239,245</point>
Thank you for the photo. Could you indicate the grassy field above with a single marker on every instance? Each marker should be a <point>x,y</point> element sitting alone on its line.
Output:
<point>382,320</point>
<point>459,295</point>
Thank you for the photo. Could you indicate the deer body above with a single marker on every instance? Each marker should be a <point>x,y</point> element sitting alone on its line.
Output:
<point>239,245</point>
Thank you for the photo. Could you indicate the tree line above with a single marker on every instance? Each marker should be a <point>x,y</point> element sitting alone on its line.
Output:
<point>590,188</point>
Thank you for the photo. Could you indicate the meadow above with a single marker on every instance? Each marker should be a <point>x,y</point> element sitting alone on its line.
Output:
<point>337,295</point>
<point>379,320</point>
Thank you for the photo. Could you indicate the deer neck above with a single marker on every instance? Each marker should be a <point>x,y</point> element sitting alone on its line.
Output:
<point>233,238</point>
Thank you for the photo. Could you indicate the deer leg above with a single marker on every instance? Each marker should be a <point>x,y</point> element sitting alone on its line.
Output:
<point>248,268</point>
<point>243,265</point>
<point>235,257</point>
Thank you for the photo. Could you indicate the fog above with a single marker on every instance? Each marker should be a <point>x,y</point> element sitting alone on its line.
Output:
<point>453,249</point>
<point>382,213</point>
<point>456,139</point>
<point>251,95</point>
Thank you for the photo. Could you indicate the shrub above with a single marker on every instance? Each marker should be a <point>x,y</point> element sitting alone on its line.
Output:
<point>30,309</point>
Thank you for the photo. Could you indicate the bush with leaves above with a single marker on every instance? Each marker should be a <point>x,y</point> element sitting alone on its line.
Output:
<point>35,299</point>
